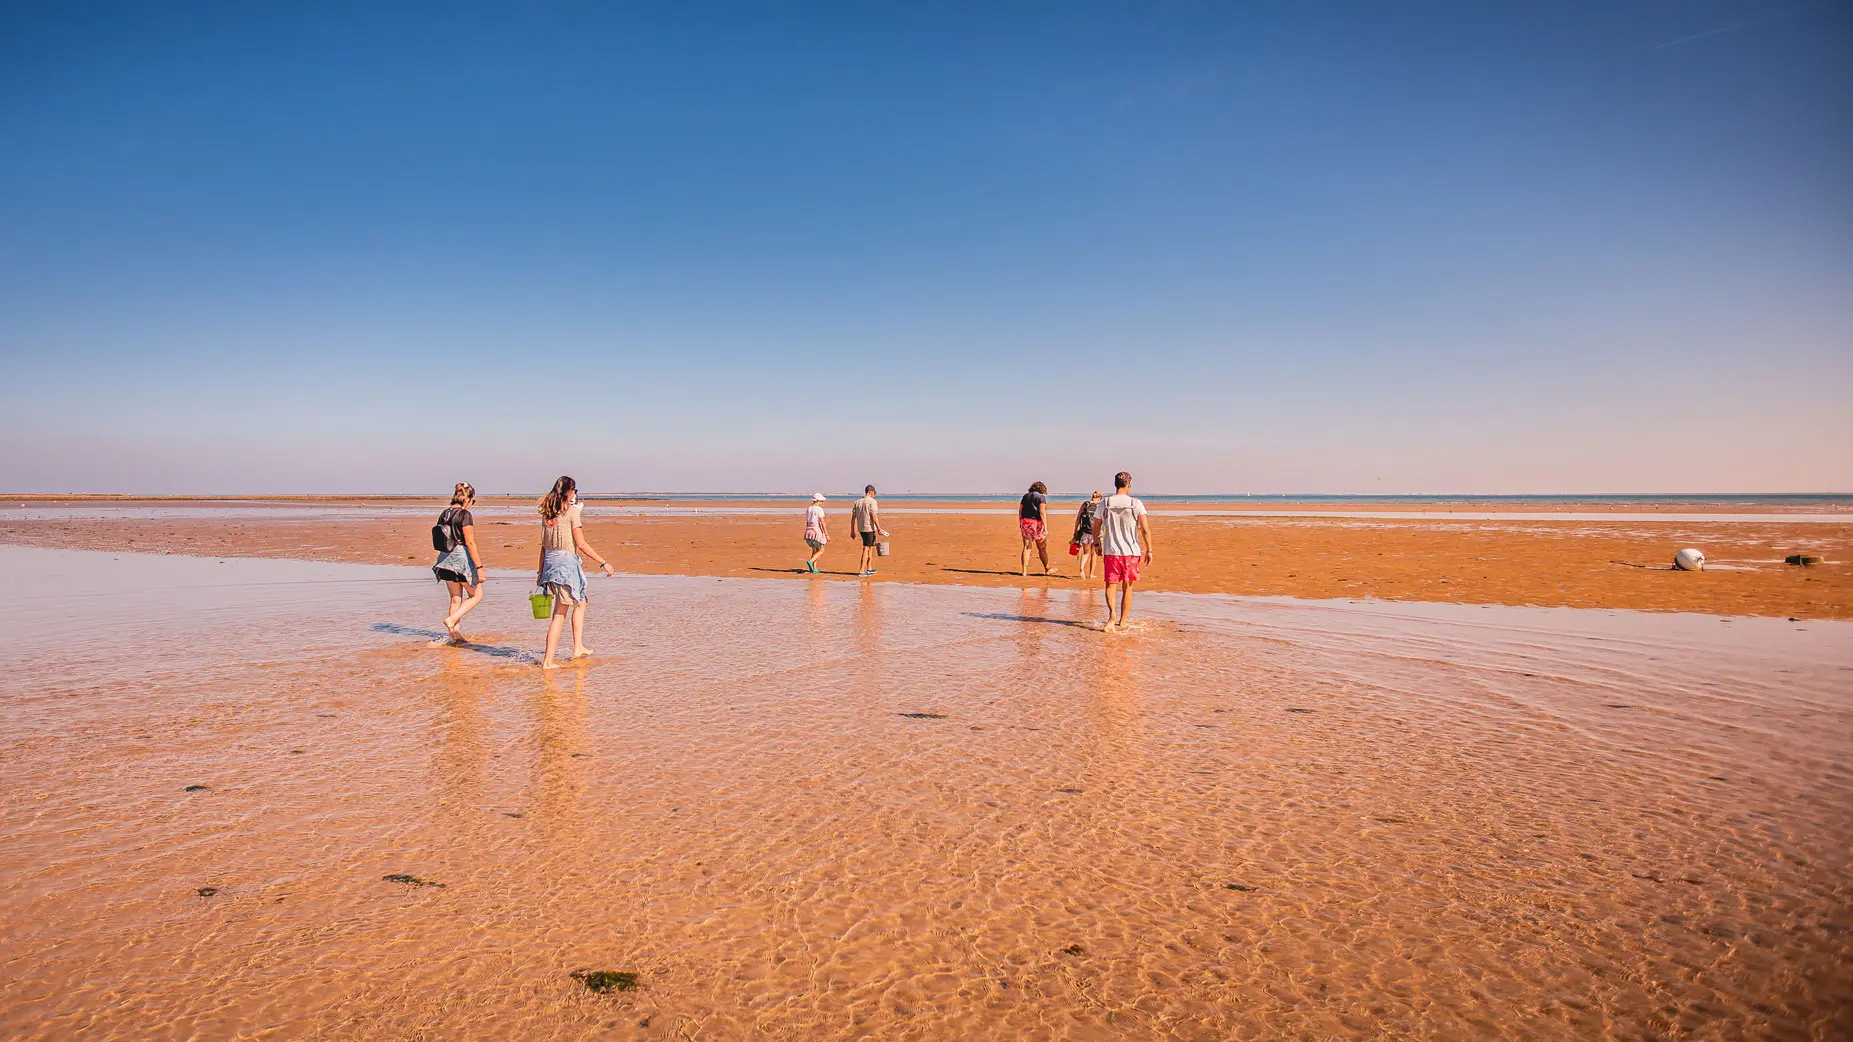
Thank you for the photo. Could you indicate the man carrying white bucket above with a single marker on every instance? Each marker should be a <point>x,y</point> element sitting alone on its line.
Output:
<point>865,517</point>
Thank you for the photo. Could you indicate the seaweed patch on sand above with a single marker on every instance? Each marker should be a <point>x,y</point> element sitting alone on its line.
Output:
<point>601,981</point>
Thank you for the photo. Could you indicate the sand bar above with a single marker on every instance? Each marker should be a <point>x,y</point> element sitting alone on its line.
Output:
<point>1584,559</point>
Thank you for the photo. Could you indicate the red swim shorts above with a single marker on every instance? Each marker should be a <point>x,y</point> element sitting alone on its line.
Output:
<point>1122,568</point>
<point>1032,529</point>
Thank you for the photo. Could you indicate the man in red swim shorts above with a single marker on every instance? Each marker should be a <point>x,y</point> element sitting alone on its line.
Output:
<point>1125,544</point>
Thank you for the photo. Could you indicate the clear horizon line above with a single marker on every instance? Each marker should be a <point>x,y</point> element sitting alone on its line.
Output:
<point>652,493</point>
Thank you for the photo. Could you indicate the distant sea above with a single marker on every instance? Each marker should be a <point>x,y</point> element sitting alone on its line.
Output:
<point>1754,499</point>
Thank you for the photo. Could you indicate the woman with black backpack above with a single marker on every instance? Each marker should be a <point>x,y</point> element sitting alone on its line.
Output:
<point>460,564</point>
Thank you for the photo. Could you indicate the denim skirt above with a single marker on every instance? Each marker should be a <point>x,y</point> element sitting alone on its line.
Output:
<point>562,575</point>
<point>456,562</point>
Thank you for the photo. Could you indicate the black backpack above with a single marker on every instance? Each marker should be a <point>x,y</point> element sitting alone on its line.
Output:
<point>443,536</point>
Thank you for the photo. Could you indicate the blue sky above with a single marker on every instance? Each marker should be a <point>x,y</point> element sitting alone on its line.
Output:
<point>1335,247</point>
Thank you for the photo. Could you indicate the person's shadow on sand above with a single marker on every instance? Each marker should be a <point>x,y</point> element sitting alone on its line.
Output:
<point>1013,575</point>
<point>1003,616</point>
<point>492,650</point>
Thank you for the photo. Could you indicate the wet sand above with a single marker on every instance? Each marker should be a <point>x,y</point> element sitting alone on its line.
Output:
<point>831,810</point>
<point>1620,563</point>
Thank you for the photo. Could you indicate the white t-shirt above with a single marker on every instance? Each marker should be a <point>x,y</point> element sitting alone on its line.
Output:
<point>814,522</point>
<point>1119,525</point>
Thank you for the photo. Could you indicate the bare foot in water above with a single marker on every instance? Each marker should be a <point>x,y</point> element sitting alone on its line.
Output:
<point>548,663</point>
<point>583,653</point>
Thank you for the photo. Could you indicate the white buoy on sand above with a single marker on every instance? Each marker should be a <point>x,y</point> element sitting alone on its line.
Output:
<point>1689,560</point>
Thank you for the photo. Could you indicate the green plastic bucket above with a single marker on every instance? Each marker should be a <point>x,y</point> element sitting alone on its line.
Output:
<point>542,603</point>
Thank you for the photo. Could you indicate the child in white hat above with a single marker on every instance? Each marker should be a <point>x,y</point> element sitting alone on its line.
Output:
<point>816,530</point>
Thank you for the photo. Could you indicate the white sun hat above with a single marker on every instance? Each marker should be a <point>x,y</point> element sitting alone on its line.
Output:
<point>817,497</point>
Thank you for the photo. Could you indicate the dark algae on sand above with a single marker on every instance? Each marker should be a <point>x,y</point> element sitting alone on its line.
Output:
<point>601,981</point>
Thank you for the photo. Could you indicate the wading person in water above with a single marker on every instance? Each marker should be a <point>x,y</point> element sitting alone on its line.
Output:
<point>1125,544</point>
<point>865,518</point>
<point>1033,522</point>
<point>1086,531</point>
<point>816,530</point>
<point>461,567</point>
<point>562,540</point>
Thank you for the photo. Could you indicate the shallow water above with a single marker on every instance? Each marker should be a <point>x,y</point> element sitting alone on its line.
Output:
<point>822,810</point>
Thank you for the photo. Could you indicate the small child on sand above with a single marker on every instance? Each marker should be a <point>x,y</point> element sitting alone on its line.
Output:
<point>816,530</point>
<point>1086,524</point>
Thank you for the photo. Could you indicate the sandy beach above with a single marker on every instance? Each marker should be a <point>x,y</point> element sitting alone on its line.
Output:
<point>1587,555</point>
<point>1416,787</point>
<point>252,800</point>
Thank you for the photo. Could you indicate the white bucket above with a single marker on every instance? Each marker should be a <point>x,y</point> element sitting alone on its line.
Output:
<point>881,548</point>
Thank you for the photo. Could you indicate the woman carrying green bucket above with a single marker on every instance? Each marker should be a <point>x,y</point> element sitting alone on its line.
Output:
<point>561,578</point>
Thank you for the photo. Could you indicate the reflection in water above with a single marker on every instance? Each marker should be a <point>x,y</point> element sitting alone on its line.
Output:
<point>462,731</point>
<point>562,752</point>
<point>917,812</point>
<point>870,667</point>
<point>1113,685</point>
<point>1033,609</point>
<point>868,623</point>
<point>819,640</point>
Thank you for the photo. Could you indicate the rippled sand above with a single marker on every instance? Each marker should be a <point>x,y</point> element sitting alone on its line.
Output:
<point>818,810</point>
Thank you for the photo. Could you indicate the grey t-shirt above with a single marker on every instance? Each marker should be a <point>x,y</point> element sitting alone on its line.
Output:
<point>863,514</point>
